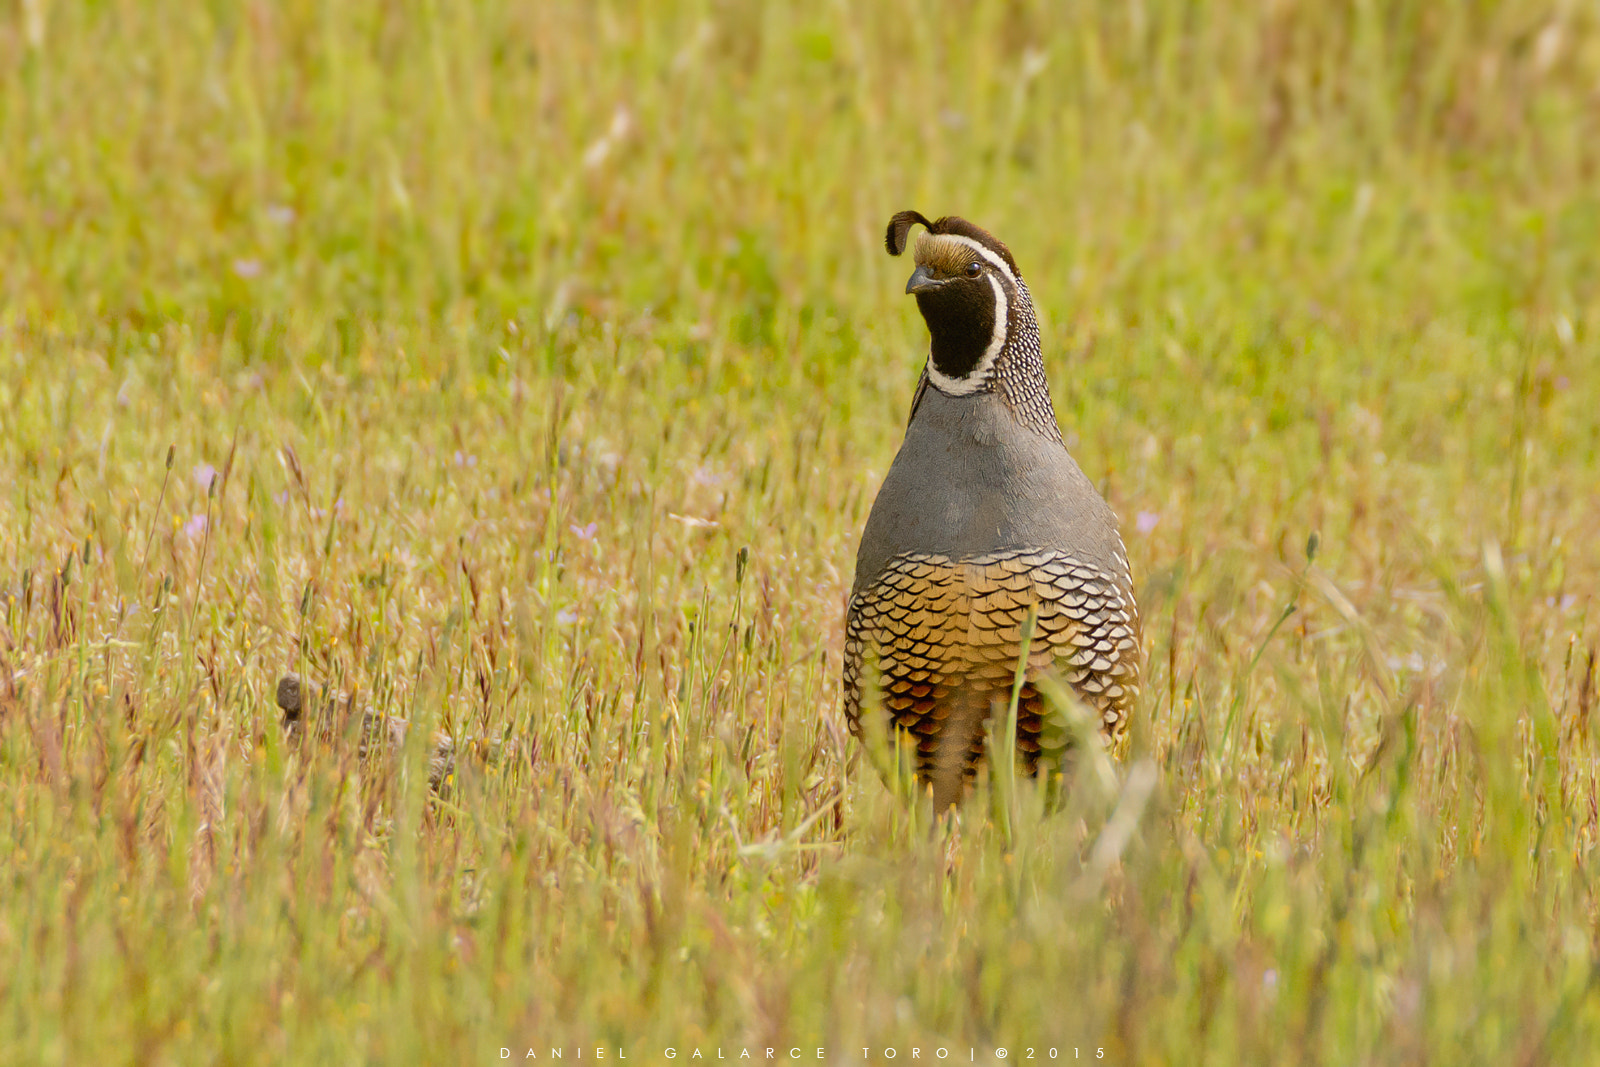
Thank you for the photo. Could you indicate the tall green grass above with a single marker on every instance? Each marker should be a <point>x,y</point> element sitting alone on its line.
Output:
<point>529,370</point>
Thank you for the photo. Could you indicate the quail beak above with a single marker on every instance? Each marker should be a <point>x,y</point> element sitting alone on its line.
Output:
<point>921,281</point>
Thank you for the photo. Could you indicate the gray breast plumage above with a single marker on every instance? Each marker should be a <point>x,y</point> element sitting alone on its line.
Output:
<point>980,522</point>
<point>969,479</point>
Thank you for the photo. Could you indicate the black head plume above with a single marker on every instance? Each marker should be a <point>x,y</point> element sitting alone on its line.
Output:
<point>900,227</point>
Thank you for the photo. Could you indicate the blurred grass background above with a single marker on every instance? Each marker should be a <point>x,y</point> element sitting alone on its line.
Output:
<point>454,353</point>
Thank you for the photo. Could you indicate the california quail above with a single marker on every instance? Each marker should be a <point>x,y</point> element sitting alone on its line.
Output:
<point>984,517</point>
<point>308,705</point>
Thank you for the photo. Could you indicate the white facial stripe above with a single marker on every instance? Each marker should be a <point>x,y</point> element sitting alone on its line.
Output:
<point>997,340</point>
<point>995,261</point>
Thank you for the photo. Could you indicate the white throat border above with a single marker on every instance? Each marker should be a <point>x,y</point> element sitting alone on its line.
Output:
<point>978,379</point>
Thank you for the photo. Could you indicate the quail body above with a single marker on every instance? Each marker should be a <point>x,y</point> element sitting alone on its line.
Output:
<point>983,519</point>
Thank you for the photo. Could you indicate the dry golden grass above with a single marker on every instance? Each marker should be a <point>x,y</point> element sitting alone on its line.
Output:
<point>547,360</point>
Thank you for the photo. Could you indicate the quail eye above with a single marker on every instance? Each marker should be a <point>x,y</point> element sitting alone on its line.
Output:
<point>973,270</point>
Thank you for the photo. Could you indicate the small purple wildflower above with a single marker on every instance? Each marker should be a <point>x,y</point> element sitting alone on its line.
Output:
<point>247,268</point>
<point>585,533</point>
<point>195,527</point>
<point>1146,521</point>
<point>203,474</point>
<point>567,616</point>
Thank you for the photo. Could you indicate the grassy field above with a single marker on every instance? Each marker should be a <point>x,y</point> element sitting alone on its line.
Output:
<point>529,371</point>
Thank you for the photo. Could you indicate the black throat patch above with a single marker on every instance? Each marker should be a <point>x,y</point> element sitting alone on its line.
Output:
<point>960,318</point>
